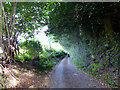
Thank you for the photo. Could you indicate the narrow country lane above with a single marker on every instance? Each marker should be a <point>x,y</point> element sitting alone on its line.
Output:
<point>66,75</point>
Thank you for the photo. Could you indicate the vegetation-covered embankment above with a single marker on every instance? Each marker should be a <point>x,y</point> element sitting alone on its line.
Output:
<point>32,62</point>
<point>24,18</point>
<point>41,59</point>
<point>89,32</point>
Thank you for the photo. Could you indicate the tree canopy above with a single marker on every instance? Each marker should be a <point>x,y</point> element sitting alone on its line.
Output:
<point>21,17</point>
<point>89,32</point>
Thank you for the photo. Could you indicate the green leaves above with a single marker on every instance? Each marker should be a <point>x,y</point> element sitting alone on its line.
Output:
<point>106,45</point>
<point>80,29</point>
<point>32,47</point>
<point>48,59</point>
<point>29,14</point>
<point>22,57</point>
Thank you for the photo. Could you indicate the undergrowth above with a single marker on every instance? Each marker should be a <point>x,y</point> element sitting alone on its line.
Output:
<point>41,60</point>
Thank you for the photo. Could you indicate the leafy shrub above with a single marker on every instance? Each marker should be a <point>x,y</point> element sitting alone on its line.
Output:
<point>45,63</point>
<point>42,64</point>
<point>23,57</point>
<point>41,60</point>
<point>31,47</point>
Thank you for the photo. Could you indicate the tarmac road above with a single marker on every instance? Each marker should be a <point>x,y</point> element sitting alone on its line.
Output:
<point>65,75</point>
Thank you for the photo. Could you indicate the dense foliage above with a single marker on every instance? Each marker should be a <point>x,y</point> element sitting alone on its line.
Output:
<point>89,32</point>
<point>23,18</point>
<point>48,59</point>
<point>20,18</point>
<point>32,47</point>
<point>32,54</point>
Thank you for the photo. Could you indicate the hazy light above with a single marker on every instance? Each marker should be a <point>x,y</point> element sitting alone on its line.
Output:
<point>41,36</point>
<point>1,51</point>
<point>44,40</point>
<point>21,50</point>
<point>56,46</point>
<point>21,38</point>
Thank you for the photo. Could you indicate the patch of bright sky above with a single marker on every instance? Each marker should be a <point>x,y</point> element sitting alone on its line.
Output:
<point>44,40</point>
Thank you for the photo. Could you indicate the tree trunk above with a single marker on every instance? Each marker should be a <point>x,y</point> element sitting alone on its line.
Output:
<point>9,45</point>
<point>0,30</point>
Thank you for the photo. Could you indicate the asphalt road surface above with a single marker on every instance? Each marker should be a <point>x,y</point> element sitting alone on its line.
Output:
<point>65,75</point>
